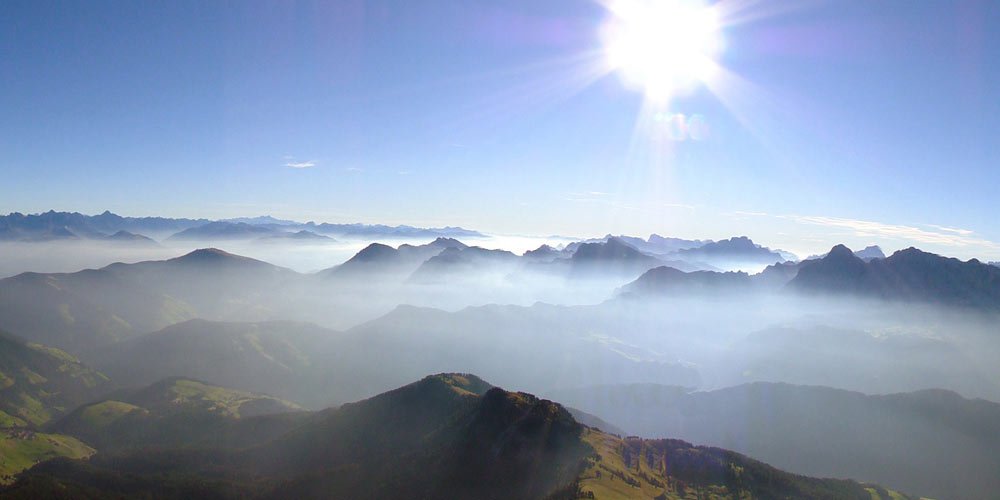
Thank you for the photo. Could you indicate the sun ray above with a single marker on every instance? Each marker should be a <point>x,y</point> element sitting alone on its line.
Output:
<point>663,48</point>
<point>737,12</point>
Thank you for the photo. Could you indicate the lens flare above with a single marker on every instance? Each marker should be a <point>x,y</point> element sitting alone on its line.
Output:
<point>662,47</point>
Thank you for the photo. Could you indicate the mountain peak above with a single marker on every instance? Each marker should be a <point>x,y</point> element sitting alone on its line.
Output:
<point>461,383</point>
<point>839,251</point>
<point>207,253</point>
<point>612,248</point>
<point>871,252</point>
<point>214,256</point>
<point>374,251</point>
<point>444,242</point>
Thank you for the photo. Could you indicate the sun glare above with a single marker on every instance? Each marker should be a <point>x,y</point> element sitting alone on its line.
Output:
<point>662,47</point>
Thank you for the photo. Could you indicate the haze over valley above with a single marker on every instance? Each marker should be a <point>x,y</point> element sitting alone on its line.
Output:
<point>657,337</point>
<point>507,249</point>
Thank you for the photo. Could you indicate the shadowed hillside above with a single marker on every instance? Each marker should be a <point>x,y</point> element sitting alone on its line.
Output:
<point>177,413</point>
<point>446,436</point>
<point>930,442</point>
<point>39,383</point>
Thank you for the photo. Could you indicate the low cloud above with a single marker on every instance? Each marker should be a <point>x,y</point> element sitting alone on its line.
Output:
<point>941,236</point>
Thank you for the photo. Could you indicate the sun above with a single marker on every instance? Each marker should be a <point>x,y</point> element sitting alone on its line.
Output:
<point>662,47</point>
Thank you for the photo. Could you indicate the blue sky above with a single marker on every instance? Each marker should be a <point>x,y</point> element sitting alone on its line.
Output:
<point>856,122</point>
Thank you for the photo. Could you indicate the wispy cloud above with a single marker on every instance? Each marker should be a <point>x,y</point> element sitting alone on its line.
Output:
<point>963,232</point>
<point>300,164</point>
<point>942,236</point>
<point>354,169</point>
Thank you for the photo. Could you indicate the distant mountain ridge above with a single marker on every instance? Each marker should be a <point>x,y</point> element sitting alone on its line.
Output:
<point>52,225</point>
<point>664,280</point>
<point>734,253</point>
<point>909,274</point>
<point>83,311</point>
<point>382,262</point>
<point>868,253</point>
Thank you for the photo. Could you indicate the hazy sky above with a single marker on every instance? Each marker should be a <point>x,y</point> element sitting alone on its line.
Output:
<point>861,122</point>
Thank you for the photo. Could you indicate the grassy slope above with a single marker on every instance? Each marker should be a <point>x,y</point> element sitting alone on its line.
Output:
<point>104,414</point>
<point>20,450</point>
<point>634,468</point>
<point>179,393</point>
<point>179,413</point>
<point>39,383</point>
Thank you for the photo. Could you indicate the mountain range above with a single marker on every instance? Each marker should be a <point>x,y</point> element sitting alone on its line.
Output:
<point>907,275</point>
<point>866,254</point>
<point>381,262</point>
<point>452,436</point>
<point>82,311</point>
<point>52,225</point>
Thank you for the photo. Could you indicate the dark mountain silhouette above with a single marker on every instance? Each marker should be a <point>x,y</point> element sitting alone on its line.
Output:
<point>775,276</point>
<point>866,254</point>
<point>732,253</point>
<point>545,253</point>
<point>654,245</point>
<point>908,274</point>
<point>459,264</point>
<point>446,436</point>
<point>611,249</point>
<point>614,258</point>
<point>661,244</point>
<point>381,262</point>
<point>930,442</point>
<point>667,280</point>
